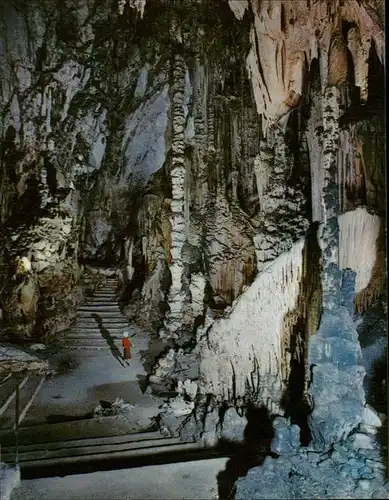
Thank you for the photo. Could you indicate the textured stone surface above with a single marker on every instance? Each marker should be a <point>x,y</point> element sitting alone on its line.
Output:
<point>233,426</point>
<point>286,437</point>
<point>308,474</point>
<point>193,150</point>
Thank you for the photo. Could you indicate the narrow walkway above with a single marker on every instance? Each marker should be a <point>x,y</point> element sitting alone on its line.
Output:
<point>100,323</point>
<point>92,367</point>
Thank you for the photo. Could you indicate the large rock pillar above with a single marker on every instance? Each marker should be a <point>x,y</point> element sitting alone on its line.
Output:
<point>336,387</point>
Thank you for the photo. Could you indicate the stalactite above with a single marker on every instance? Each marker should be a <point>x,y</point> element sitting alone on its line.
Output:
<point>262,176</point>
<point>349,175</point>
<point>139,5</point>
<point>308,308</point>
<point>362,249</point>
<point>238,7</point>
<point>359,47</point>
<point>315,143</point>
<point>274,68</point>
<point>254,329</point>
<point>337,58</point>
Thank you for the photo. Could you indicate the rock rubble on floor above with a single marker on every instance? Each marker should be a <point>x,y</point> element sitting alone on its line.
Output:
<point>353,468</point>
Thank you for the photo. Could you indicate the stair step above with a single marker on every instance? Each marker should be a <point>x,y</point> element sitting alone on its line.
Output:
<point>105,298</point>
<point>94,341</point>
<point>94,317</point>
<point>98,309</point>
<point>90,321</point>
<point>86,345</point>
<point>109,298</point>
<point>100,449</point>
<point>72,347</point>
<point>89,343</point>
<point>101,303</point>
<point>102,295</point>
<point>112,455</point>
<point>118,333</point>
<point>114,335</point>
<point>83,428</point>
<point>112,325</point>
<point>89,338</point>
<point>94,328</point>
<point>96,331</point>
<point>79,443</point>
<point>107,314</point>
<point>105,302</point>
<point>112,322</point>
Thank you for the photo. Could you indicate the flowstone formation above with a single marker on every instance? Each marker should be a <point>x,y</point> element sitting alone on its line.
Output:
<point>227,159</point>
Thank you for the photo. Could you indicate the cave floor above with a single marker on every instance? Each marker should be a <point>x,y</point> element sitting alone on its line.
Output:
<point>90,376</point>
<point>189,480</point>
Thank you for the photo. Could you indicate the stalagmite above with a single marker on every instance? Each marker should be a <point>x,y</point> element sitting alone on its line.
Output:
<point>334,352</point>
<point>329,230</point>
<point>176,298</point>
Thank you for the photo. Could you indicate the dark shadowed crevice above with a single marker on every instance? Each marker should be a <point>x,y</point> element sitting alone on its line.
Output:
<point>257,439</point>
<point>307,317</point>
<point>376,77</point>
<point>294,402</point>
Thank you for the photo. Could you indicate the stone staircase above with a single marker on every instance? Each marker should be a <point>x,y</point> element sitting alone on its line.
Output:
<point>99,320</point>
<point>86,444</point>
<point>72,447</point>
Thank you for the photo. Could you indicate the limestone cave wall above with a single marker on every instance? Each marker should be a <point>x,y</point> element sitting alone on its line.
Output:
<point>227,157</point>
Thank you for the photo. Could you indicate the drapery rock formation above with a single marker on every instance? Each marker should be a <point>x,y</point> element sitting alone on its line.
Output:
<point>228,158</point>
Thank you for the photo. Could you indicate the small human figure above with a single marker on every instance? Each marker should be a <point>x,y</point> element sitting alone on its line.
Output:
<point>126,343</point>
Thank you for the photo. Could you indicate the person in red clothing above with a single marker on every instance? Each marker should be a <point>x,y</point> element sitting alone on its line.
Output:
<point>126,343</point>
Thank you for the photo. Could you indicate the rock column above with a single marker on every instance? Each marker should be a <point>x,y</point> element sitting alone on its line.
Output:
<point>336,387</point>
<point>176,297</point>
